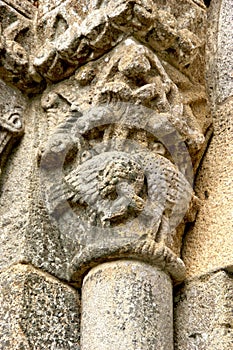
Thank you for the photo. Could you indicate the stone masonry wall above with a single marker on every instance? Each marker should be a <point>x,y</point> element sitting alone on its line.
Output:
<point>204,304</point>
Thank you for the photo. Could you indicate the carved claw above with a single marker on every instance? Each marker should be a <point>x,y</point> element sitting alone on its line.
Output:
<point>137,202</point>
<point>163,231</point>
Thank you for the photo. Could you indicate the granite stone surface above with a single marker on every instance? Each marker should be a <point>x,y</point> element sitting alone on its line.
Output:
<point>225,52</point>
<point>204,313</point>
<point>37,311</point>
<point>208,245</point>
<point>126,304</point>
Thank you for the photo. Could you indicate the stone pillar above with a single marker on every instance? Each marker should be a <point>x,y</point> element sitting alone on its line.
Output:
<point>127,304</point>
<point>204,304</point>
<point>203,313</point>
<point>208,245</point>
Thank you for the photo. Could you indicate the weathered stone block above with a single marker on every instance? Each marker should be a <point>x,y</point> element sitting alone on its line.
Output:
<point>16,43</point>
<point>204,313</point>
<point>208,245</point>
<point>25,7</point>
<point>37,311</point>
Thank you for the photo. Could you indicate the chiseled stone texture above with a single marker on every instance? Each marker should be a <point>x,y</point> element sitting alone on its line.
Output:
<point>26,233</point>
<point>15,184</point>
<point>219,52</point>
<point>126,305</point>
<point>25,7</point>
<point>209,244</point>
<point>37,311</point>
<point>204,313</point>
<point>225,52</point>
<point>46,6</point>
<point>212,48</point>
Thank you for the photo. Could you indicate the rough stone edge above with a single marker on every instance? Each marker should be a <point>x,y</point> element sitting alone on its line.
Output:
<point>24,7</point>
<point>213,54</point>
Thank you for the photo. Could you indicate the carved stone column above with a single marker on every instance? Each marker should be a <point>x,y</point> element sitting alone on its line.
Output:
<point>125,135</point>
<point>204,304</point>
<point>127,304</point>
<point>119,126</point>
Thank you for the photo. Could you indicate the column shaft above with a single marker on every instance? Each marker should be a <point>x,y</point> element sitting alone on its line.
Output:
<point>127,305</point>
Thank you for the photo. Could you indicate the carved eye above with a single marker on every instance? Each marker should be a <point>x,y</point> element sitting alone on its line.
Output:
<point>15,120</point>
